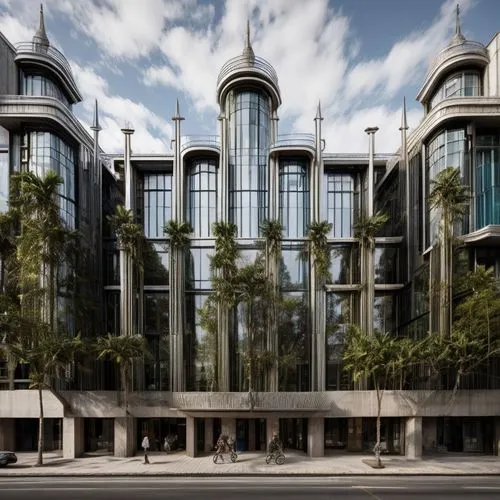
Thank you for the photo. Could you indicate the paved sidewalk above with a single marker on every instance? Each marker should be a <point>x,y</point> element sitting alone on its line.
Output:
<point>252,464</point>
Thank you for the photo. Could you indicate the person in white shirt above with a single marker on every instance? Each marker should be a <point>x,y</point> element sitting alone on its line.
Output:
<point>145,447</point>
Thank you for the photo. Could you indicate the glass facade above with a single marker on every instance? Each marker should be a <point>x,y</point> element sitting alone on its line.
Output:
<point>341,203</point>
<point>294,198</point>
<point>249,137</point>
<point>37,85</point>
<point>447,149</point>
<point>384,312</point>
<point>202,196</point>
<point>487,180</point>
<point>386,262</point>
<point>157,203</point>
<point>463,84</point>
<point>344,267</point>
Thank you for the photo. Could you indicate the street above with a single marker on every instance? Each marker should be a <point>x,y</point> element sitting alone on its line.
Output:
<point>262,488</point>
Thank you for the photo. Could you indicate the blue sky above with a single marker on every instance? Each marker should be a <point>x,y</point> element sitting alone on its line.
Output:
<point>359,57</point>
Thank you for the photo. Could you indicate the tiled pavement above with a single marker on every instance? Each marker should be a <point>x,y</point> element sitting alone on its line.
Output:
<point>253,464</point>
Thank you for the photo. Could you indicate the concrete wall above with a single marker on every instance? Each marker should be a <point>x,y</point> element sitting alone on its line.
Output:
<point>492,72</point>
<point>8,68</point>
<point>316,437</point>
<point>73,437</point>
<point>125,431</point>
<point>413,437</point>
<point>24,404</point>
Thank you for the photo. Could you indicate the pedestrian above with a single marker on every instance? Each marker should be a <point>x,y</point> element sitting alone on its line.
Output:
<point>145,447</point>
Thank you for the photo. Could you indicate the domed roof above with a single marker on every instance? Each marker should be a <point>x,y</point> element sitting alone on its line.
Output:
<point>459,52</point>
<point>250,69</point>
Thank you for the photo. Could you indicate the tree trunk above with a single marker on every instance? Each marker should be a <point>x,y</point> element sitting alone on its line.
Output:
<point>380,393</point>
<point>39,461</point>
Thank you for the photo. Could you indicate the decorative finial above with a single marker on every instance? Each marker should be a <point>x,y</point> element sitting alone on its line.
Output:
<point>95,123</point>
<point>319,116</point>
<point>247,49</point>
<point>40,37</point>
<point>177,115</point>
<point>404,123</point>
<point>457,37</point>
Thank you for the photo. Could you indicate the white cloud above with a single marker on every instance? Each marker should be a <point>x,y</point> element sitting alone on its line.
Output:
<point>152,132</point>
<point>14,30</point>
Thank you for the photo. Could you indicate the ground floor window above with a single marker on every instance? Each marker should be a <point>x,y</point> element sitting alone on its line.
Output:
<point>99,435</point>
<point>26,433</point>
<point>159,429</point>
<point>390,434</point>
<point>335,433</point>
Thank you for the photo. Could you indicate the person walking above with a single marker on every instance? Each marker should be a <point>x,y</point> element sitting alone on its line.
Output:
<point>145,447</point>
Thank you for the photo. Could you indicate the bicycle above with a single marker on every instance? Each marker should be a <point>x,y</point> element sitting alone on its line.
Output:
<point>224,447</point>
<point>276,455</point>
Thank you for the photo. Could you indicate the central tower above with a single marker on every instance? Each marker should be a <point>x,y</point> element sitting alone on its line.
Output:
<point>248,95</point>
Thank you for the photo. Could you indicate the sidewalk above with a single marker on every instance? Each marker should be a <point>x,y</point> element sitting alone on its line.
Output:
<point>252,464</point>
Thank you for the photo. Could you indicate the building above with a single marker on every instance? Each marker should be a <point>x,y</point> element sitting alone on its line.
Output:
<point>248,173</point>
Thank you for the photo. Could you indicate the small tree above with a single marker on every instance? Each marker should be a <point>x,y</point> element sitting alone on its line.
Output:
<point>380,358</point>
<point>318,250</point>
<point>123,350</point>
<point>47,357</point>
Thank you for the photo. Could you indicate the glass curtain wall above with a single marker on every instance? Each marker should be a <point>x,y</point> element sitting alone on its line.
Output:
<point>487,180</point>
<point>294,198</point>
<point>4,169</point>
<point>37,85</point>
<point>157,203</point>
<point>342,199</point>
<point>249,136</point>
<point>202,196</point>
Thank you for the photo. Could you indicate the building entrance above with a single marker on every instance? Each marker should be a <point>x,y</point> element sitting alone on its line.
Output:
<point>293,433</point>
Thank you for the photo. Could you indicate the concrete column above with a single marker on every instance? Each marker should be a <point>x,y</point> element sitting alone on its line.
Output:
<point>251,435</point>
<point>413,437</point>
<point>125,437</point>
<point>496,443</point>
<point>272,427</point>
<point>355,434</point>
<point>228,427</point>
<point>316,437</point>
<point>7,434</point>
<point>209,434</point>
<point>73,437</point>
<point>191,437</point>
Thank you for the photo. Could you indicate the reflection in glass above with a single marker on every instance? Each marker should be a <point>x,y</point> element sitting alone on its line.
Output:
<point>384,312</point>
<point>487,180</point>
<point>37,85</point>
<point>344,268</point>
<point>202,196</point>
<point>157,203</point>
<point>155,264</point>
<point>339,314</point>
<point>341,203</point>
<point>294,198</point>
<point>249,119</point>
<point>156,330</point>
<point>200,348</point>
<point>293,269</point>
<point>461,84</point>
<point>112,312</point>
<point>293,342</point>
<point>386,264</point>
<point>4,181</point>
<point>198,274</point>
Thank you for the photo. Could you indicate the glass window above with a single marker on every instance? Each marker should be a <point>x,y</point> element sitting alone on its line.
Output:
<point>202,196</point>
<point>458,85</point>
<point>341,199</point>
<point>37,85</point>
<point>112,312</point>
<point>249,119</point>
<point>384,312</point>
<point>386,264</point>
<point>49,152</point>
<point>157,203</point>
<point>155,264</point>
<point>198,274</point>
<point>4,180</point>
<point>156,314</point>
<point>294,198</point>
<point>294,267</point>
<point>344,268</point>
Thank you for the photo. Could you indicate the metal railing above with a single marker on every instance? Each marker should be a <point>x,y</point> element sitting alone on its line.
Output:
<point>245,63</point>
<point>44,50</point>
<point>190,141</point>
<point>298,140</point>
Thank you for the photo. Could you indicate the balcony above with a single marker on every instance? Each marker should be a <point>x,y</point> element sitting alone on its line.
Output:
<point>294,142</point>
<point>200,142</point>
<point>49,58</point>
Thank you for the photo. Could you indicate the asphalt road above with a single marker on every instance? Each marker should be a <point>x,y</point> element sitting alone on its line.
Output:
<point>355,488</point>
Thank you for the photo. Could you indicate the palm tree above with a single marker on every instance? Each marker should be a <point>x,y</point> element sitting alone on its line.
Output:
<point>380,358</point>
<point>365,231</point>
<point>224,268</point>
<point>47,357</point>
<point>451,197</point>
<point>178,233</point>
<point>123,350</point>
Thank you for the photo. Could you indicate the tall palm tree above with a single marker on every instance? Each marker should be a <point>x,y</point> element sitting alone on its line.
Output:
<point>366,229</point>
<point>47,357</point>
<point>451,197</point>
<point>123,350</point>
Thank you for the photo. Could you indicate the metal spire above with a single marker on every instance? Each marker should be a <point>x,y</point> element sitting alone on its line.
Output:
<point>404,123</point>
<point>247,49</point>
<point>319,116</point>
<point>40,34</point>
<point>95,123</point>
<point>177,115</point>
<point>457,37</point>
